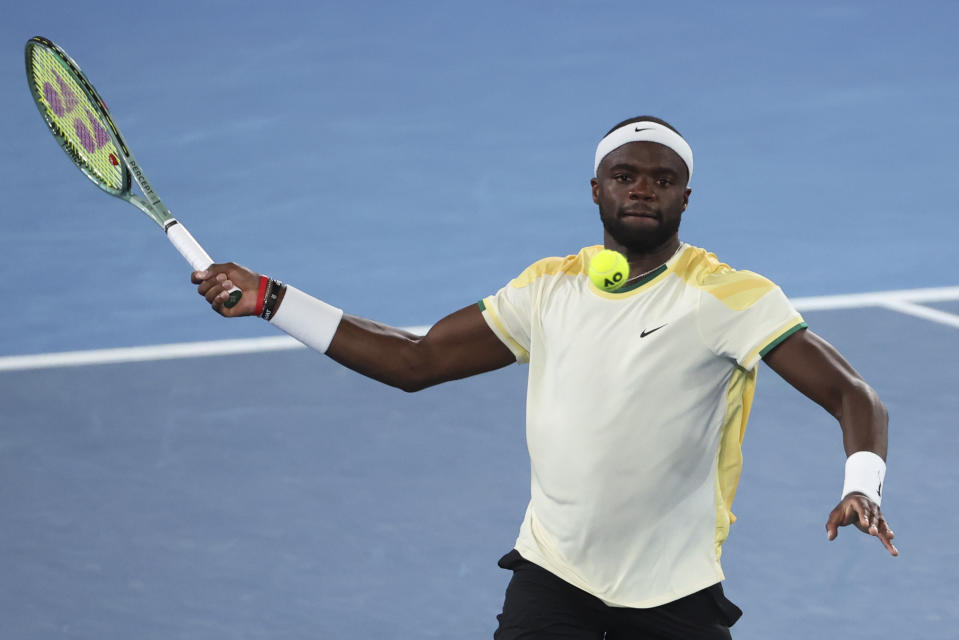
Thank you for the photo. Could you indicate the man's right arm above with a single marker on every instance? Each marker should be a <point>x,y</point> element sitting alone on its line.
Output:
<point>458,346</point>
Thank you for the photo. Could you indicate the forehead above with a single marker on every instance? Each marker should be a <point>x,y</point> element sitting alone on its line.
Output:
<point>646,155</point>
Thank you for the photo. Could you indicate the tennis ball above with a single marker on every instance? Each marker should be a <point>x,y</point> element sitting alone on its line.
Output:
<point>609,270</point>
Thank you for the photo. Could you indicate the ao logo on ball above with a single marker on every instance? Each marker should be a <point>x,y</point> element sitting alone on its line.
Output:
<point>608,270</point>
<point>609,283</point>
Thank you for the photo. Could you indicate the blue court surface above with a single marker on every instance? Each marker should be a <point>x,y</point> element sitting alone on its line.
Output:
<point>168,474</point>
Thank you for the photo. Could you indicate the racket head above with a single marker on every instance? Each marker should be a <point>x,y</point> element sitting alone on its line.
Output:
<point>76,116</point>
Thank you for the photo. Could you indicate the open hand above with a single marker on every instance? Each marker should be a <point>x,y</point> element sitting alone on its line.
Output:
<point>859,510</point>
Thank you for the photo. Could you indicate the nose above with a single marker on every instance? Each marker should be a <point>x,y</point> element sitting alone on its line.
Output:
<point>641,189</point>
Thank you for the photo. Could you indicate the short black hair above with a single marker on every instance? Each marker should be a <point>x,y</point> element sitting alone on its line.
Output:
<point>642,119</point>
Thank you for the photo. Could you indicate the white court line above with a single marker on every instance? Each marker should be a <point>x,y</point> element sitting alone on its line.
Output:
<point>904,301</point>
<point>152,352</point>
<point>875,299</point>
<point>926,313</point>
<point>157,352</point>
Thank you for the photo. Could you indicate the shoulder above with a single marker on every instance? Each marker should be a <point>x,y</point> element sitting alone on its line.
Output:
<point>735,288</point>
<point>551,267</point>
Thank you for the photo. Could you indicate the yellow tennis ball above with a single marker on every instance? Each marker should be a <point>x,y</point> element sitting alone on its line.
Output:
<point>609,270</point>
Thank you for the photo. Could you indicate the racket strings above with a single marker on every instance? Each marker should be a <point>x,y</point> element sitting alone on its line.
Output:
<point>74,119</point>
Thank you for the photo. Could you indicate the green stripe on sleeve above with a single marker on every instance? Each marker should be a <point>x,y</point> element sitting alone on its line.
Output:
<point>482,305</point>
<point>775,343</point>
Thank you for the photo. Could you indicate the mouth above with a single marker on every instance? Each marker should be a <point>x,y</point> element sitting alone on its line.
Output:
<point>638,213</point>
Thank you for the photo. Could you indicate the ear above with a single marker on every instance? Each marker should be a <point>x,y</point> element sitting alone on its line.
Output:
<point>686,198</point>
<point>594,184</point>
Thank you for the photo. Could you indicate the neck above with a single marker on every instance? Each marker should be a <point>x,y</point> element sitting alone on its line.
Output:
<point>641,262</point>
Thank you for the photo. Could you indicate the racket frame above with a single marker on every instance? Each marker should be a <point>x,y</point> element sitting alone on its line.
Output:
<point>150,203</point>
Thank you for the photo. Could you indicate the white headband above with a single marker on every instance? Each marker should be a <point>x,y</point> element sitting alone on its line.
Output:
<point>644,131</point>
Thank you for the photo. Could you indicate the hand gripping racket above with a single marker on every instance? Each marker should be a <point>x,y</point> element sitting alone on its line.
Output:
<point>79,120</point>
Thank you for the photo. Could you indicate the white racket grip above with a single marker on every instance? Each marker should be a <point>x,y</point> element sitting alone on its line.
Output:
<point>188,247</point>
<point>199,259</point>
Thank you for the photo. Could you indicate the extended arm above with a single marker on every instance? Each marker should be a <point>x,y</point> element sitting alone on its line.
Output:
<point>815,368</point>
<point>459,345</point>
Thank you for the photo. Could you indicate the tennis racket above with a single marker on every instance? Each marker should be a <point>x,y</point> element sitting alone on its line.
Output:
<point>79,120</point>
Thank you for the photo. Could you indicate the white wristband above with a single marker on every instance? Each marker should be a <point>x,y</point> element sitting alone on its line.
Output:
<point>311,321</point>
<point>865,472</point>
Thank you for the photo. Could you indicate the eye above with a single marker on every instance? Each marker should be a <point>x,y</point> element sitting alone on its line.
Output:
<point>621,177</point>
<point>664,182</point>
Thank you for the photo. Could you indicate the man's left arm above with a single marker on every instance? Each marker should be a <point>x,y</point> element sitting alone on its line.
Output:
<point>815,368</point>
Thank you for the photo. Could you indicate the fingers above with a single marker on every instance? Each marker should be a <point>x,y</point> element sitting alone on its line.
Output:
<point>865,514</point>
<point>834,521</point>
<point>885,535</point>
<point>221,285</point>
<point>868,517</point>
<point>215,283</point>
<point>846,512</point>
<point>858,510</point>
<point>879,528</point>
<point>217,293</point>
<point>212,286</point>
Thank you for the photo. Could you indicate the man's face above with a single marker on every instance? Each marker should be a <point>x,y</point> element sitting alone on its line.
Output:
<point>641,191</point>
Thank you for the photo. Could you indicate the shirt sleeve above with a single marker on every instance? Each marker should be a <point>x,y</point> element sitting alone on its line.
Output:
<point>509,313</point>
<point>743,316</point>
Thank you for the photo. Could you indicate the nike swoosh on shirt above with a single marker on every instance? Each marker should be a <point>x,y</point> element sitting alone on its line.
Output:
<point>646,333</point>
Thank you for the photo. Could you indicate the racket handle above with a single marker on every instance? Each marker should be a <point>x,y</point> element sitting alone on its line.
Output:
<point>199,259</point>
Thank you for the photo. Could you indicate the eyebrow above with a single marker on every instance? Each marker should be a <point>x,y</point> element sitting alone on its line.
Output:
<point>660,170</point>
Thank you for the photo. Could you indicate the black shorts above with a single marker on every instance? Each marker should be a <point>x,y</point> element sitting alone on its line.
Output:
<point>540,605</point>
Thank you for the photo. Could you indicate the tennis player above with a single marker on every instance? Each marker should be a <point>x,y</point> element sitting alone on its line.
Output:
<point>637,403</point>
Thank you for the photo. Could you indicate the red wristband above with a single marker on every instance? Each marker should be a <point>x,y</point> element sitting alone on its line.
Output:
<point>261,295</point>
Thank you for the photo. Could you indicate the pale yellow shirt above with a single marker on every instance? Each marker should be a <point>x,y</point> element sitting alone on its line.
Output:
<point>637,403</point>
